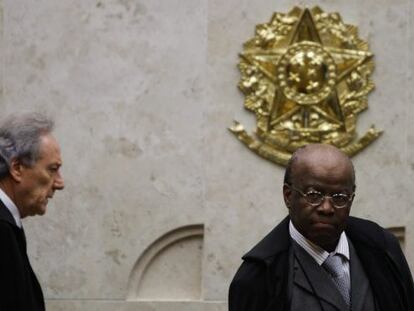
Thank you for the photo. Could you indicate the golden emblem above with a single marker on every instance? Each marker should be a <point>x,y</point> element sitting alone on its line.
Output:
<point>306,76</point>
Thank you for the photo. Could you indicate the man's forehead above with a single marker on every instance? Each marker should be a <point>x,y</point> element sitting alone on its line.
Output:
<point>319,158</point>
<point>49,148</point>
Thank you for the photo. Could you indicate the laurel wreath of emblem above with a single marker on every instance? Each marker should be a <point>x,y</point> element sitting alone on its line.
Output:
<point>306,76</point>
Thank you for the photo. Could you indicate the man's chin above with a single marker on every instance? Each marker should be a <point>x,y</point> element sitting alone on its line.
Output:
<point>43,209</point>
<point>327,241</point>
<point>40,210</point>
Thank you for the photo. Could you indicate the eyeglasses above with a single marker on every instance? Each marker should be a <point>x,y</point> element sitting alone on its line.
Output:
<point>316,198</point>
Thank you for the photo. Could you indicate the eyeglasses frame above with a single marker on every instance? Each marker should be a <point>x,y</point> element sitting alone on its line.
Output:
<point>324,197</point>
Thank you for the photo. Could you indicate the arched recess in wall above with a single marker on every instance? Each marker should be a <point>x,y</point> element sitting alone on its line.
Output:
<point>170,268</point>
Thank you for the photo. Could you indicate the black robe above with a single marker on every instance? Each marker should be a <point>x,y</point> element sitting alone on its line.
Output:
<point>261,283</point>
<point>19,288</point>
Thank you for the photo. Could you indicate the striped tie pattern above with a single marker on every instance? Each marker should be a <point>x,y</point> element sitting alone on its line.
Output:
<point>333,264</point>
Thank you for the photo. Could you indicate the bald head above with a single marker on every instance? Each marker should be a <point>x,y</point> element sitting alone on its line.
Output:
<point>321,155</point>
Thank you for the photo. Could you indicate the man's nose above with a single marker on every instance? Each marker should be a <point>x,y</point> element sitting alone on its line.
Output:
<point>326,206</point>
<point>59,184</point>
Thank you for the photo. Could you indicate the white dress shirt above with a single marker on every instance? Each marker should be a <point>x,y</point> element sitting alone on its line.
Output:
<point>11,207</point>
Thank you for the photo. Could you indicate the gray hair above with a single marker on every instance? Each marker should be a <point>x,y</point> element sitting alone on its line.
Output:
<point>20,139</point>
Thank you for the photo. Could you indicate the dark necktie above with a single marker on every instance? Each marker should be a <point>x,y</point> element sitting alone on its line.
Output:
<point>333,264</point>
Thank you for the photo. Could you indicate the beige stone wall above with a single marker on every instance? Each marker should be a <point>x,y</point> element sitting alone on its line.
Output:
<point>161,201</point>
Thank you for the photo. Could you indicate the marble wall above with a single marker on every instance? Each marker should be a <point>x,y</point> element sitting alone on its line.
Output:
<point>161,201</point>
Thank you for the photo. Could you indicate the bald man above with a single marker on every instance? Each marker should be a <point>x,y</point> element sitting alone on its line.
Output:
<point>320,258</point>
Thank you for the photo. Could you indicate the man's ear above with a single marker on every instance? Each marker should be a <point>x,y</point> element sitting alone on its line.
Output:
<point>15,170</point>
<point>287,195</point>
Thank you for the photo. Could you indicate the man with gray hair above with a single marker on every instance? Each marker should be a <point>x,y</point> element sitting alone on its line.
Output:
<point>30,164</point>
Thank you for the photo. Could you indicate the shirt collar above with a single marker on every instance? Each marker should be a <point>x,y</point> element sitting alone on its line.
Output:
<point>11,207</point>
<point>318,253</point>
